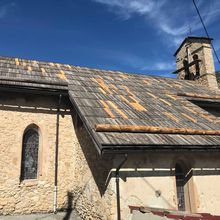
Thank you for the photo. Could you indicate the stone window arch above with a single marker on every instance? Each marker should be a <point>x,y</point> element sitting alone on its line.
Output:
<point>30,153</point>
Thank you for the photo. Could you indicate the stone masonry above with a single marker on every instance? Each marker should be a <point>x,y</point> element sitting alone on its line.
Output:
<point>78,184</point>
<point>84,180</point>
<point>202,48</point>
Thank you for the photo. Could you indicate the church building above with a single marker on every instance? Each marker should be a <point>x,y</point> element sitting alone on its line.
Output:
<point>106,142</point>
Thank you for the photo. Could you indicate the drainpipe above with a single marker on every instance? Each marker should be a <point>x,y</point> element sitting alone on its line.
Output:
<point>117,178</point>
<point>56,157</point>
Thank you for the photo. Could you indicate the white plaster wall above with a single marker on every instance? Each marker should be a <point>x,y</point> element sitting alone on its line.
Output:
<point>208,191</point>
<point>143,192</point>
<point>143,176</point>
<point>207,183</point>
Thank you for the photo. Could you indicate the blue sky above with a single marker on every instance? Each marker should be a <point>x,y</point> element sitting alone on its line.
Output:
<point>138,36</point>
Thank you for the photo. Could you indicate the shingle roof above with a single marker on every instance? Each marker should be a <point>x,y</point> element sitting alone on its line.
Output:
<point>114,98</point>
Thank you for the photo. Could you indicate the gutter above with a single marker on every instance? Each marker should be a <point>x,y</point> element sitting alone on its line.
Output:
<point>34,90</point>
<point>143,149</point>
<point>117,178</point>
<point>56,156</point>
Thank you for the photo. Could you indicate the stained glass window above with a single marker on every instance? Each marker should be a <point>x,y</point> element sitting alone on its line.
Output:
<point>30,154</point>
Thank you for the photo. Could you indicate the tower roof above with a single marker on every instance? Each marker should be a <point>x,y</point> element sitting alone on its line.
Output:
<point>191,38</point>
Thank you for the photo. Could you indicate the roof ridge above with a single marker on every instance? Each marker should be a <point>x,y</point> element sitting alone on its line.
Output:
<point>88,68</point>
<point>105,70</point>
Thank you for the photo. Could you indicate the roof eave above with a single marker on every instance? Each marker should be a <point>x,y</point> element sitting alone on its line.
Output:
<point>116,149</point>
<point>34,89</point>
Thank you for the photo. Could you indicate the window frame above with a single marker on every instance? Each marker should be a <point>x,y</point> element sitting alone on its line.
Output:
<point>190,202</point>
<point>38,173</point>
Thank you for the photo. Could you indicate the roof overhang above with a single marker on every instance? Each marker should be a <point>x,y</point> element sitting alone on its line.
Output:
<point>157,148</point>
<point>33,86</point>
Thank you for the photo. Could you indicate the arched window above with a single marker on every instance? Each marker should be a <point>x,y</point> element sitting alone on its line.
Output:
<point>195,57</point>
<point>197,68</point>
<point>30,147</point>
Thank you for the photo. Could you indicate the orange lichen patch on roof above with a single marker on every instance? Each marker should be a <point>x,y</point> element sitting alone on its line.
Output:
<point>189,118</point>
<point>102,84</point>
<point>177,85</point>
<point>155,80</point>
<point>171,96</point>
<point>203,115</point>
<point>146,81</point>
<point>17,62</point>
<point>107,109</point>
<point>165,102</point>
<point>152,95</point>
<point>109,77</point>
<point>102,91</point>
<point>152,129</point>
<point>133,98</point>
<point>104,103</point>
<point>193,95</point>
<point>167,84</point>
<point>128,91</point>
<point>171,116</point>
<point>190,109</point>
<point>117,109</point>
<point>136,105</point>
<point>61,75</point>
<point>99,77</point>
<point>29,69</point>
<point>68,66</point>
<point>207,117</point>
<point>114,87</point>
<point>43,70</point>
<point>124,76</point>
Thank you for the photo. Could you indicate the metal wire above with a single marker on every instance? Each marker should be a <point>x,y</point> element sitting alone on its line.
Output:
<point>206,30</point>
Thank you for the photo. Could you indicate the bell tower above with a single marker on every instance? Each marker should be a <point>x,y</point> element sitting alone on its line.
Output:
<point>194,61</point>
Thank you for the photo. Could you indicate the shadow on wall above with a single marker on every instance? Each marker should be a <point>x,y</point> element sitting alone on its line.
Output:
<point>142,166</point>
<point>100,166</point>
<point>69,206</point>
<point>33,103</point>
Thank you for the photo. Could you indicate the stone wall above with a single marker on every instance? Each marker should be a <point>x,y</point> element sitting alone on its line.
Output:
<point>79,180</point>
<point>84,183</point>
